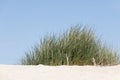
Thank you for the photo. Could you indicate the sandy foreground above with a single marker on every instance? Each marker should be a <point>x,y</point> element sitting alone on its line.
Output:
<point>40,72</point>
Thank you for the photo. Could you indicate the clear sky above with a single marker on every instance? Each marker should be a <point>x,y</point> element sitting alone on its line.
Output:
<point>24,22</point>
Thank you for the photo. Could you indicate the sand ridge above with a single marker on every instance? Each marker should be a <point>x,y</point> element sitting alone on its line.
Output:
<point>41,72</point>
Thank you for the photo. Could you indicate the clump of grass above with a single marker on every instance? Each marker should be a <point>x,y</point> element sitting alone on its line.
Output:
<point>77,46</point>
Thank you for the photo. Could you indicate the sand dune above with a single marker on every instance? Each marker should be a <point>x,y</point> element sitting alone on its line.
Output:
<point>40,72</point>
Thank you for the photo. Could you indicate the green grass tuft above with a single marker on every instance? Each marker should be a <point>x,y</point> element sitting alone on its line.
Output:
<point>77,46</point>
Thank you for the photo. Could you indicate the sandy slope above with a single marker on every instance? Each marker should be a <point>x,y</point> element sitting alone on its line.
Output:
<point>40,72</point>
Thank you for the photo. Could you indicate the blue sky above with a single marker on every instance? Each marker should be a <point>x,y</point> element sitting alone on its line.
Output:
<point>24,22</point>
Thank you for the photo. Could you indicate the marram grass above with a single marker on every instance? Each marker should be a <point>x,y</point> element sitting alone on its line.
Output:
<point>77,46</point>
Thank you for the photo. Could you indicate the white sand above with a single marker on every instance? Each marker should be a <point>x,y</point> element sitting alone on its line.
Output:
<point>40,72</point>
